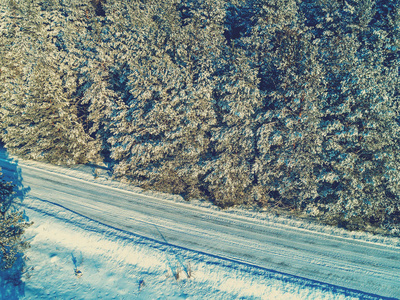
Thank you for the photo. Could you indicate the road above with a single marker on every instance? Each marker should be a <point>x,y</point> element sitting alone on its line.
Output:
<point>372,268</point>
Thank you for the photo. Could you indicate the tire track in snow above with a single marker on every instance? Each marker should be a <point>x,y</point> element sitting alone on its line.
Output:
<point>370,267</point>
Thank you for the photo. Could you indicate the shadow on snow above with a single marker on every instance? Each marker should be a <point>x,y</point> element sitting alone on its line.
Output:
<point>178,252</point>
<point>11,283</point>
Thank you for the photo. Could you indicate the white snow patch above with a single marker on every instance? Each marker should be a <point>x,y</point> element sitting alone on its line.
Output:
<point>75,258</point>
<point>86,173</point>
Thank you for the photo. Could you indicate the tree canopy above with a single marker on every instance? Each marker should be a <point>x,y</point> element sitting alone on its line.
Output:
<point>287,104</point>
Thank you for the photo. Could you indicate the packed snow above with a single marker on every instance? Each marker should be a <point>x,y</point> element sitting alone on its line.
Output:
<point>73,256</point>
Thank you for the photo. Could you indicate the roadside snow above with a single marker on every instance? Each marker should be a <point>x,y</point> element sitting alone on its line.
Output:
<point>100,175</point>
<point>76,258</point>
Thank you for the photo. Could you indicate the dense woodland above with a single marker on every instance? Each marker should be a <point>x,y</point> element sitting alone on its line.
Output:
<point>286,104</point>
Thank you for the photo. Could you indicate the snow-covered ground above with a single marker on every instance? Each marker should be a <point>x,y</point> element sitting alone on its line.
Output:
<point>73,257</point>
<point>78,253</point>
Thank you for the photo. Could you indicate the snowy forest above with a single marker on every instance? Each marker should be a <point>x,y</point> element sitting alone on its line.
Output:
<point>284,104</point>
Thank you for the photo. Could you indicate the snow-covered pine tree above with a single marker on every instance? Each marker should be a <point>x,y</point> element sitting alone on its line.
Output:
<point>101,72</point>
<point>161,133</point>
<point>287,141</point>
<point>40,111</point>
<point>12,227</point>
<point>11,56</point>
<point>147,72</point>
<point>234,98</point>
<point>231,176</point>
<point>360,114</point>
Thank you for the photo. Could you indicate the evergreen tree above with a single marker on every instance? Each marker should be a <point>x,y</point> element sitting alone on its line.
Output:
<point>11,66</point>
<point>160,134</point>
<point>12,227</point>
<point>359,116</point>
<point>40,111</point>
<point>231,175</point>
<point>285,122</point>
<point>101,75</point>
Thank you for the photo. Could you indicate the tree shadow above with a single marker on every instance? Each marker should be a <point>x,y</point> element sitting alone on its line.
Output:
<point>12,285</point>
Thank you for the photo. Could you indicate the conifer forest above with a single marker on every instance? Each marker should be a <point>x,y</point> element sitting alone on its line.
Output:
<point>283,104</point>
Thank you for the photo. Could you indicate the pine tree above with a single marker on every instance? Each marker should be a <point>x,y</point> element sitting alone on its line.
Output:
<point>161,131</point>
<point>40,110</point>
<point>284,124</point>
<point>101,79</point>
<point>12,227</point>
<point>360,117</point>
<point>231,175</point>
<point>11,65</point>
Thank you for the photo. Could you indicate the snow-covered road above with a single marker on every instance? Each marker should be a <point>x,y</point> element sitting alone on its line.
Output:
<point>356,264</point>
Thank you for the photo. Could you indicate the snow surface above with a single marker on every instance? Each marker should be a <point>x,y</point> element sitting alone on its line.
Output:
<point>76,255</point>
<point>118,265</point>
<point>100,175</point>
